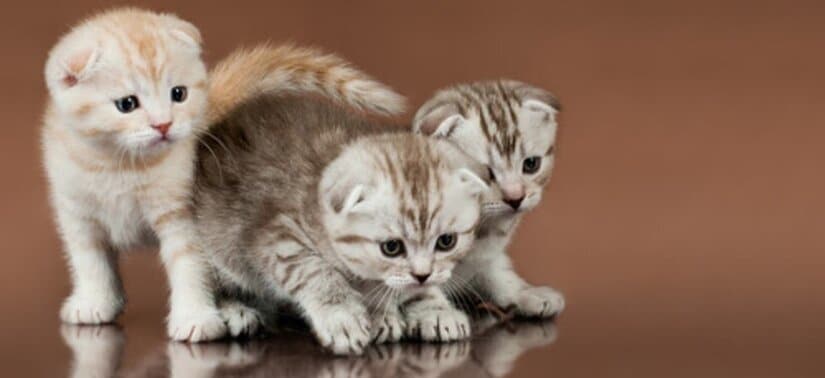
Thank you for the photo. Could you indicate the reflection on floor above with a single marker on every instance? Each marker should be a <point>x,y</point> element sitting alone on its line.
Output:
<point>97,352</point>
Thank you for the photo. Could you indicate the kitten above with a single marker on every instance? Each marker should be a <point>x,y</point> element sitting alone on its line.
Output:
<point>128,96</point>
<point>511,128</point>
<point>342,215</point>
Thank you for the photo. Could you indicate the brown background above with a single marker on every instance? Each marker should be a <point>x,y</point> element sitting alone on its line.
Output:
<point>685,221</point>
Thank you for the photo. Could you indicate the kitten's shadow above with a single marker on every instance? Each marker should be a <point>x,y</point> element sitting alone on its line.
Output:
<point>97,352</point>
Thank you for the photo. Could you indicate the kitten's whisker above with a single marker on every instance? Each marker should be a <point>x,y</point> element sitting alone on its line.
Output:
<point>217,161</point>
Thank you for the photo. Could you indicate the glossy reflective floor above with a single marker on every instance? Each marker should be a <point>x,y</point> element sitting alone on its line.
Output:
<point>494,352</point>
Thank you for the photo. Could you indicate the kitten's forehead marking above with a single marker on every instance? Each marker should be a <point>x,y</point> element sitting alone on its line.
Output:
<point>495,105</point>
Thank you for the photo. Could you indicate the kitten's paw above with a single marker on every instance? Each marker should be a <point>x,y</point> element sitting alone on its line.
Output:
<point>438,324</point>
<point>241,320</point>
<point>91,309</point>
<point>540,302</point>
<point>344,329</point>
<point>195,326</point>
<point>388,328</point>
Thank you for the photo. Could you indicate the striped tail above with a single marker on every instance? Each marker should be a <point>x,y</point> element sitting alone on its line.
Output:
<point>265,69</point>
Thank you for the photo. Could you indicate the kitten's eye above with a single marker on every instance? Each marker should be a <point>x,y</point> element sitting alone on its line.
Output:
<point>492,175</point>
<point>127,104</point>
<point>531,164</point>
<point>179,94</point>
<point>446,242</point>
<point>392,248</point>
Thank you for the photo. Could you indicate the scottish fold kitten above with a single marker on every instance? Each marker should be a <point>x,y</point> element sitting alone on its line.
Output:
<point>510,127</point>
<point>355,222</point>
<point>128,96</point>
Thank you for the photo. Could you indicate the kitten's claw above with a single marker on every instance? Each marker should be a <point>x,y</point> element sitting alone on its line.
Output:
<point>240,319</point>
<point>344,329</point>
<point>90,309</point>
<point>438,324</point>
<point>196,326</point>
<point>540,302</point>
<point>388,329</point>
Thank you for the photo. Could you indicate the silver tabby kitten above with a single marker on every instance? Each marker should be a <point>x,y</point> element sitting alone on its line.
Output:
<point>354,221</point>
<point>511,128</point>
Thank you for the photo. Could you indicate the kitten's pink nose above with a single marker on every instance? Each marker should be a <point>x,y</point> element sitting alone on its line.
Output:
<point>162,128</point>
<point>512,194</point>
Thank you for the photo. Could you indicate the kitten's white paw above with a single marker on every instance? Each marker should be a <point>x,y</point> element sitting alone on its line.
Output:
<point>91,309</point>
<point>344,328</point>
<point>539,301</point>
<point>240,319</point>
<point>388,328</point>
<point>204,324</point>
<point>438,324</point>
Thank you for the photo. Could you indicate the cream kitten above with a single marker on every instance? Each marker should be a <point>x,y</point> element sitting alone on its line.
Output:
<point>354,221</point>
<point>511,128</point>
<point>128,95</point>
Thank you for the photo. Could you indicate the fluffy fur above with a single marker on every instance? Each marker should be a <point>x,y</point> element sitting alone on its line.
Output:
<point>501,124</point>
<point>119,141</point>
<point>295,196</point>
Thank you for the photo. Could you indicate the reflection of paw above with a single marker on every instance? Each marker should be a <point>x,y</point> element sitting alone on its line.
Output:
<point>96,350</point>
<point>438,324</point>
<point>541,302</point>
<point>389,328</point>
<point>241,320</point>
<point>343,328</point>
<point>189,360</point>
<point>433,360</point>
<point>344,368</point>
<point>91,309</point>
<point>196,325</point>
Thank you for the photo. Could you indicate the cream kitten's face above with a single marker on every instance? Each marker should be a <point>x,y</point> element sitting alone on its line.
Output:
<point>136,87</point>
<point>404,218</point>
<point>507,126</point>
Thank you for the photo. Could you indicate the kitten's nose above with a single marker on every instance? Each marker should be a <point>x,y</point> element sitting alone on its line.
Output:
<point>514,203</point>
<point>421,277</point>
<point>162,128</point>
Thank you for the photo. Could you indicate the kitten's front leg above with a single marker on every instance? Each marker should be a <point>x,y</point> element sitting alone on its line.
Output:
<point>193,314</point>
<point>97,295</point>
<point>507,289</point>
<point>335,310</point>
<point>387,320</point>
<point>431,317</point>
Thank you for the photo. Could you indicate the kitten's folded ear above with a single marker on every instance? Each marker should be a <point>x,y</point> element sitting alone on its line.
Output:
<point>437,118</point>
<point>71,61</point>
<point>536,99</point>
<point>344,197</point>
<point>184,31</point>
<point>470,180</point>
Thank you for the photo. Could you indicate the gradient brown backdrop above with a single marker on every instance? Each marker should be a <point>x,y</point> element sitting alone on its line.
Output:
<point>685,221</point>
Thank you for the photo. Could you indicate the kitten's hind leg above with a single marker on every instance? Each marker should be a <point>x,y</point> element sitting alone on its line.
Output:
<point>97,295</point>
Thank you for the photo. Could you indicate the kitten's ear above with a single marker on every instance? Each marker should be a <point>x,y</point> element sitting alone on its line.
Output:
<point>344,201</point>
<point>437,119</point>
<point>185,32</point>
<point>471,181</point>
<point>70,64</point>
<point>536,100</point>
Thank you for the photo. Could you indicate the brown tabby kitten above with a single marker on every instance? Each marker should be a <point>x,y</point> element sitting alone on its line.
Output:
<point>304,199</point>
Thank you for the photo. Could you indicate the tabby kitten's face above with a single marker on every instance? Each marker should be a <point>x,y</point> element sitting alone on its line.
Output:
<point>401,210</point>
<point>508,126</point>
<point>133,83</point>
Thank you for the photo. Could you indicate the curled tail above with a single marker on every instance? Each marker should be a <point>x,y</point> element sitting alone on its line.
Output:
<point>266,69</point>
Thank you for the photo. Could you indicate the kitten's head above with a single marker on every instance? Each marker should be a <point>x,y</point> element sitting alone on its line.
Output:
<point>129,80</point>
<point>506,125</point>
<point>401,208</point>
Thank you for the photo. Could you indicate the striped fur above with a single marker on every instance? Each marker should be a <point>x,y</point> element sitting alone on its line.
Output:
<point>501,124</point>
<point>295,195</point>
<point>248,73</point>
